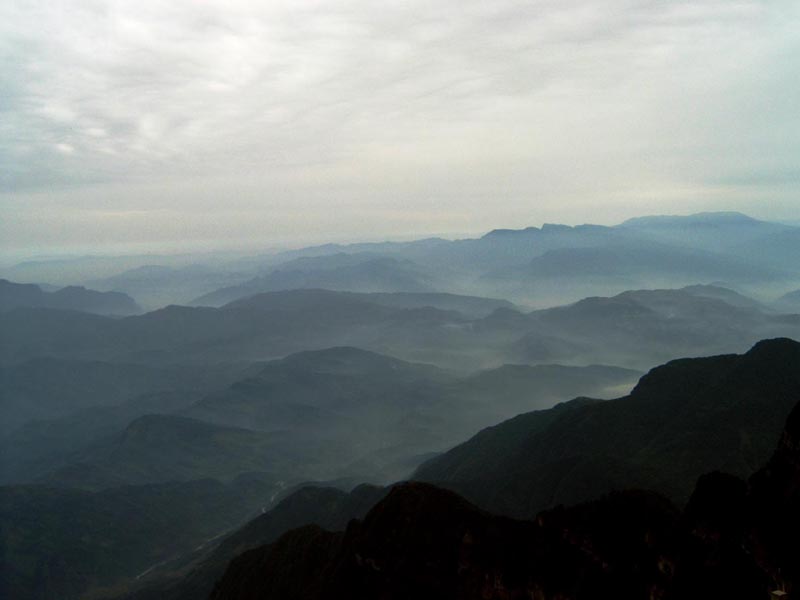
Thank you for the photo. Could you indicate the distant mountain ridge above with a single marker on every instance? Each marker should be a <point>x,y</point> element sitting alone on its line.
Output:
<point>381,412</point>
<point>670,323</point>
<point>702,219</point>
<point>28,295</point>
<point>49,388</point>
<point>165,448</point>
<point>548,263</point>
<point>343,272</point>
<point>455,266</point>
<point>159,285</point>
<point>312,415</point>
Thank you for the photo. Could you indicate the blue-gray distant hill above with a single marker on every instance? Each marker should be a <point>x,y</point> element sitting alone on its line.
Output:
<point>635,329</point>
<point>339,412</point>
<point>713,231</point>
<point>159,285</point>
<point>27,295</point>
<point>789,302</point>
<point>50,388</point>
<point>358,272</point>
<point>548,265</point>
<point>533,266</point>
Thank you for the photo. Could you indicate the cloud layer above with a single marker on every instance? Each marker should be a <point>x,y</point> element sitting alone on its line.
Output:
<point>243,121</point>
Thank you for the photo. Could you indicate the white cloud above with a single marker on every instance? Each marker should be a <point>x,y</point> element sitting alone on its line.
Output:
<point>548,109</point>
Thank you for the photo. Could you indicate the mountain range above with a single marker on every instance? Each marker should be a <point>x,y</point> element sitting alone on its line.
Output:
<point>19,295</point>
<point>734,538</point>
<point>339,412</point>
<point>422,541</point>
<point>683,419</point>
<point>533,266</point>
<point>636,329</point>
<point>545,412</point>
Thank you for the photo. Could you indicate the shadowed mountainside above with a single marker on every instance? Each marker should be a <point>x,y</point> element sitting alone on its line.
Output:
<point>683,419</point>
<point>58,543</point>
<point>340,412</point>
<point>50,388</point>
<point>194,578</point>
<point>733,540</point>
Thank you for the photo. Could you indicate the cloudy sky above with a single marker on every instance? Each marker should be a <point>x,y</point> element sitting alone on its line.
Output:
<point>189,123</point>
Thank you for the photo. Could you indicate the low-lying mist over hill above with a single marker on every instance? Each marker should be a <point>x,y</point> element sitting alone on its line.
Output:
<point>404,300</point>
<point>152,413</point>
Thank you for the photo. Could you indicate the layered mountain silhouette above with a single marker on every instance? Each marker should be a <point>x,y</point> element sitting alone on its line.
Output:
<point>537,265</point>
<point>469,306</point>
<point>637,329</point>
<point>159,285</point>
<point>359,272</point>
<point>382,414</point>
<point>27,295</point>
<point>264,326</point>
<point>40,447</point>
<point>313,415</point>
<point>50,388</point>
<point>174,454</point>
<point>683,419</point>
<point>714,231</point>
<point>733,539</point>
<point>163,448</point>
<point>626,543</point>
<point>631,265</point>
<point>655,324</point>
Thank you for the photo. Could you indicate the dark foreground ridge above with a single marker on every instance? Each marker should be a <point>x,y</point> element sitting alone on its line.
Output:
<point>733,540</point>
<point>683,419</point>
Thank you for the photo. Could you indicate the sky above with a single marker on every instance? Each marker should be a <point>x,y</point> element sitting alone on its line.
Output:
<point>202,123</point>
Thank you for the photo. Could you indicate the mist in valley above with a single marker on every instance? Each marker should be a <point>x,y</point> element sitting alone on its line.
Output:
<point>426,300</point>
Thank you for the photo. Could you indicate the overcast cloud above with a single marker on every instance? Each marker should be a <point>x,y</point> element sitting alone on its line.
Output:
<point>240,123</point>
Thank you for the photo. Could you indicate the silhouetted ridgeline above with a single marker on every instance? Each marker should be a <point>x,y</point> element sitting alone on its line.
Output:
<point>424,542</point>
<point>636,329</point>
<point>142,454</point>
<point>683,419</point>
<point>18,295</point>
<point>733,540</point>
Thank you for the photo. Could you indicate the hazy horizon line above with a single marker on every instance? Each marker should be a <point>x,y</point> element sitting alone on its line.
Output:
<point>178,249</point>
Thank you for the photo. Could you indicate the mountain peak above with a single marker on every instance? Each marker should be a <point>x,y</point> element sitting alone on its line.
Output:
<point>702,218</point>
<point>496,233</point>
<point>775,348</point>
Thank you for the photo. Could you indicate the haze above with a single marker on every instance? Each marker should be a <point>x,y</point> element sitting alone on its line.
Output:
<point>233,124</point>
